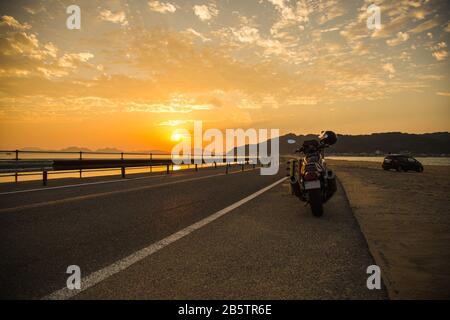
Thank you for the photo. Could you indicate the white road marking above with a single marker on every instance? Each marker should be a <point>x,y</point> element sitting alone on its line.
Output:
<point>118,266</point>
<point>80,185</point>
<point>109,193</point>
<point>88,184</point>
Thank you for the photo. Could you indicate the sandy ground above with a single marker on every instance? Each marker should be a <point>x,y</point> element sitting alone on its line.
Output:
<point>405,218</point>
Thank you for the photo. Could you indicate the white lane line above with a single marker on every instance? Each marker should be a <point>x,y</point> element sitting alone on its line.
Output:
<point>88,184</point>
<point>80,185</point>
<point>110,193</point>
<point>118,266</point>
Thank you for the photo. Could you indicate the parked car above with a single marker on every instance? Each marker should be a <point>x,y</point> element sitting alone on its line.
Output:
<point>401,162</point>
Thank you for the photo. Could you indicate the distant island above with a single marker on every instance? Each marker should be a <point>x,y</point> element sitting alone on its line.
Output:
<point>101,150</point>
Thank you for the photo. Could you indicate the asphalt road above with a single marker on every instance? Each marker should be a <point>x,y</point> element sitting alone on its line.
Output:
<point>270,247</point>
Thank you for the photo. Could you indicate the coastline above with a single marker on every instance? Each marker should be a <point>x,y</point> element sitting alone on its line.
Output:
<point>404,218</point>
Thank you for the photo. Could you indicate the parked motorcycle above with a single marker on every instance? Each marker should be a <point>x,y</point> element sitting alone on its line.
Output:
<point>310,179</point>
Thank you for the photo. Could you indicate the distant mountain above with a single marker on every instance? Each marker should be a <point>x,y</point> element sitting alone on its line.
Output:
<point>394,142</point>
<point>105,150</point>
<point>75,149</point>
<point>108,150</point>
<point>378,143</point>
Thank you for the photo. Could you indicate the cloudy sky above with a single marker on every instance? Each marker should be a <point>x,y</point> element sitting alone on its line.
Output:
<point>139,69</point>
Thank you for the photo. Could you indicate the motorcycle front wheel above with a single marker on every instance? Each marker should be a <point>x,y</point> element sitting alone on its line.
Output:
<point>316,202</point>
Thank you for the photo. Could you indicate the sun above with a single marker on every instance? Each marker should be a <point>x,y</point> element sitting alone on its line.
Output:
<point>176,137</point>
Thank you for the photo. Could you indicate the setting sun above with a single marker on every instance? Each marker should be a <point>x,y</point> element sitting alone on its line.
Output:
<point>176,137</point>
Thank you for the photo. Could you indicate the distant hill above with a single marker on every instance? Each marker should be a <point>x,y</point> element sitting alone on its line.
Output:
<point>379,143</point>
<point>101,150</point>
<point>109,150</point>
<point>395,142</point>
<point>75,149</point>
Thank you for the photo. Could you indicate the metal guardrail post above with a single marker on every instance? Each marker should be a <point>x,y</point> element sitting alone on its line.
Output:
<point>243,167</point>
<point>16,174</point>
<point>151,160</point>
<point>196,167</point>
<point>123,168</point>
<point>81,159</point>
<point>215,165</point>
<point>168,169</point>
<point>44,178</point>
<point>226,168</point>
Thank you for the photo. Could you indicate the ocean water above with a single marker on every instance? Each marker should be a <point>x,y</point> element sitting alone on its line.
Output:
<point>116,173</point>
<point>426,161</point>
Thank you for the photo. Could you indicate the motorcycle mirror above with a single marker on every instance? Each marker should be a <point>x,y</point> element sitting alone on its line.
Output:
<point>291,141</point>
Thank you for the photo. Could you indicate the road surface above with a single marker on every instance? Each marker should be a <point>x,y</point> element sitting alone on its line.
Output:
<point>190,235</point>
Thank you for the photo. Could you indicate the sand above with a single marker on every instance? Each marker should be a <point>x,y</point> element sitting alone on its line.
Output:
<point>405,218</point>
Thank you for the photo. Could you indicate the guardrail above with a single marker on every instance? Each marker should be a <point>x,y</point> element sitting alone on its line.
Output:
<point>19,163</point>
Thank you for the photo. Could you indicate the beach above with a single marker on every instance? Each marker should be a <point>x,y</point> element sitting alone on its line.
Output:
<point>405,219</point>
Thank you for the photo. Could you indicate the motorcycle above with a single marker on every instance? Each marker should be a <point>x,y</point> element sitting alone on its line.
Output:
<point>310,179</point>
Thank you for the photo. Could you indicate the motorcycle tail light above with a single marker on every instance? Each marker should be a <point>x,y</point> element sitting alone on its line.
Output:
<point>310,176</point>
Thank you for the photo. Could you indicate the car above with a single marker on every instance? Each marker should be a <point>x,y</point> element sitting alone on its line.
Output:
<point>401,162</point>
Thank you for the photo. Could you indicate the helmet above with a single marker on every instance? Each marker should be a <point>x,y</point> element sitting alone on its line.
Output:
<point>328,138</point>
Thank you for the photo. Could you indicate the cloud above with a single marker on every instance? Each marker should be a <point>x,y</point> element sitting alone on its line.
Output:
<point>118,17</point>
<point>235,62</point>
<point>389,67</point>
<point>197,34</point>
<point>23,55</point>
<point>301,12</point>
<point>161,7</point>
<point>447,27</point>
<point>440,55</point>
<point>174,123</point>
<point>10,23</point>
<point>401,37</point>
<point>443,94</point>
<point>329,30</point>
<point>205,12</point>
<point>247,34</point>
<point>73,60</point>
<point>177,104</point>
<point>36,7</point>
<point>427,25</point>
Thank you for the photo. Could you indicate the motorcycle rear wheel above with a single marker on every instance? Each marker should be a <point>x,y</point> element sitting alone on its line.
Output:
<point>316,202</point>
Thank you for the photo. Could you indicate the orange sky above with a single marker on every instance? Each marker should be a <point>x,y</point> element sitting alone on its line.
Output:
<point>138,70</point>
